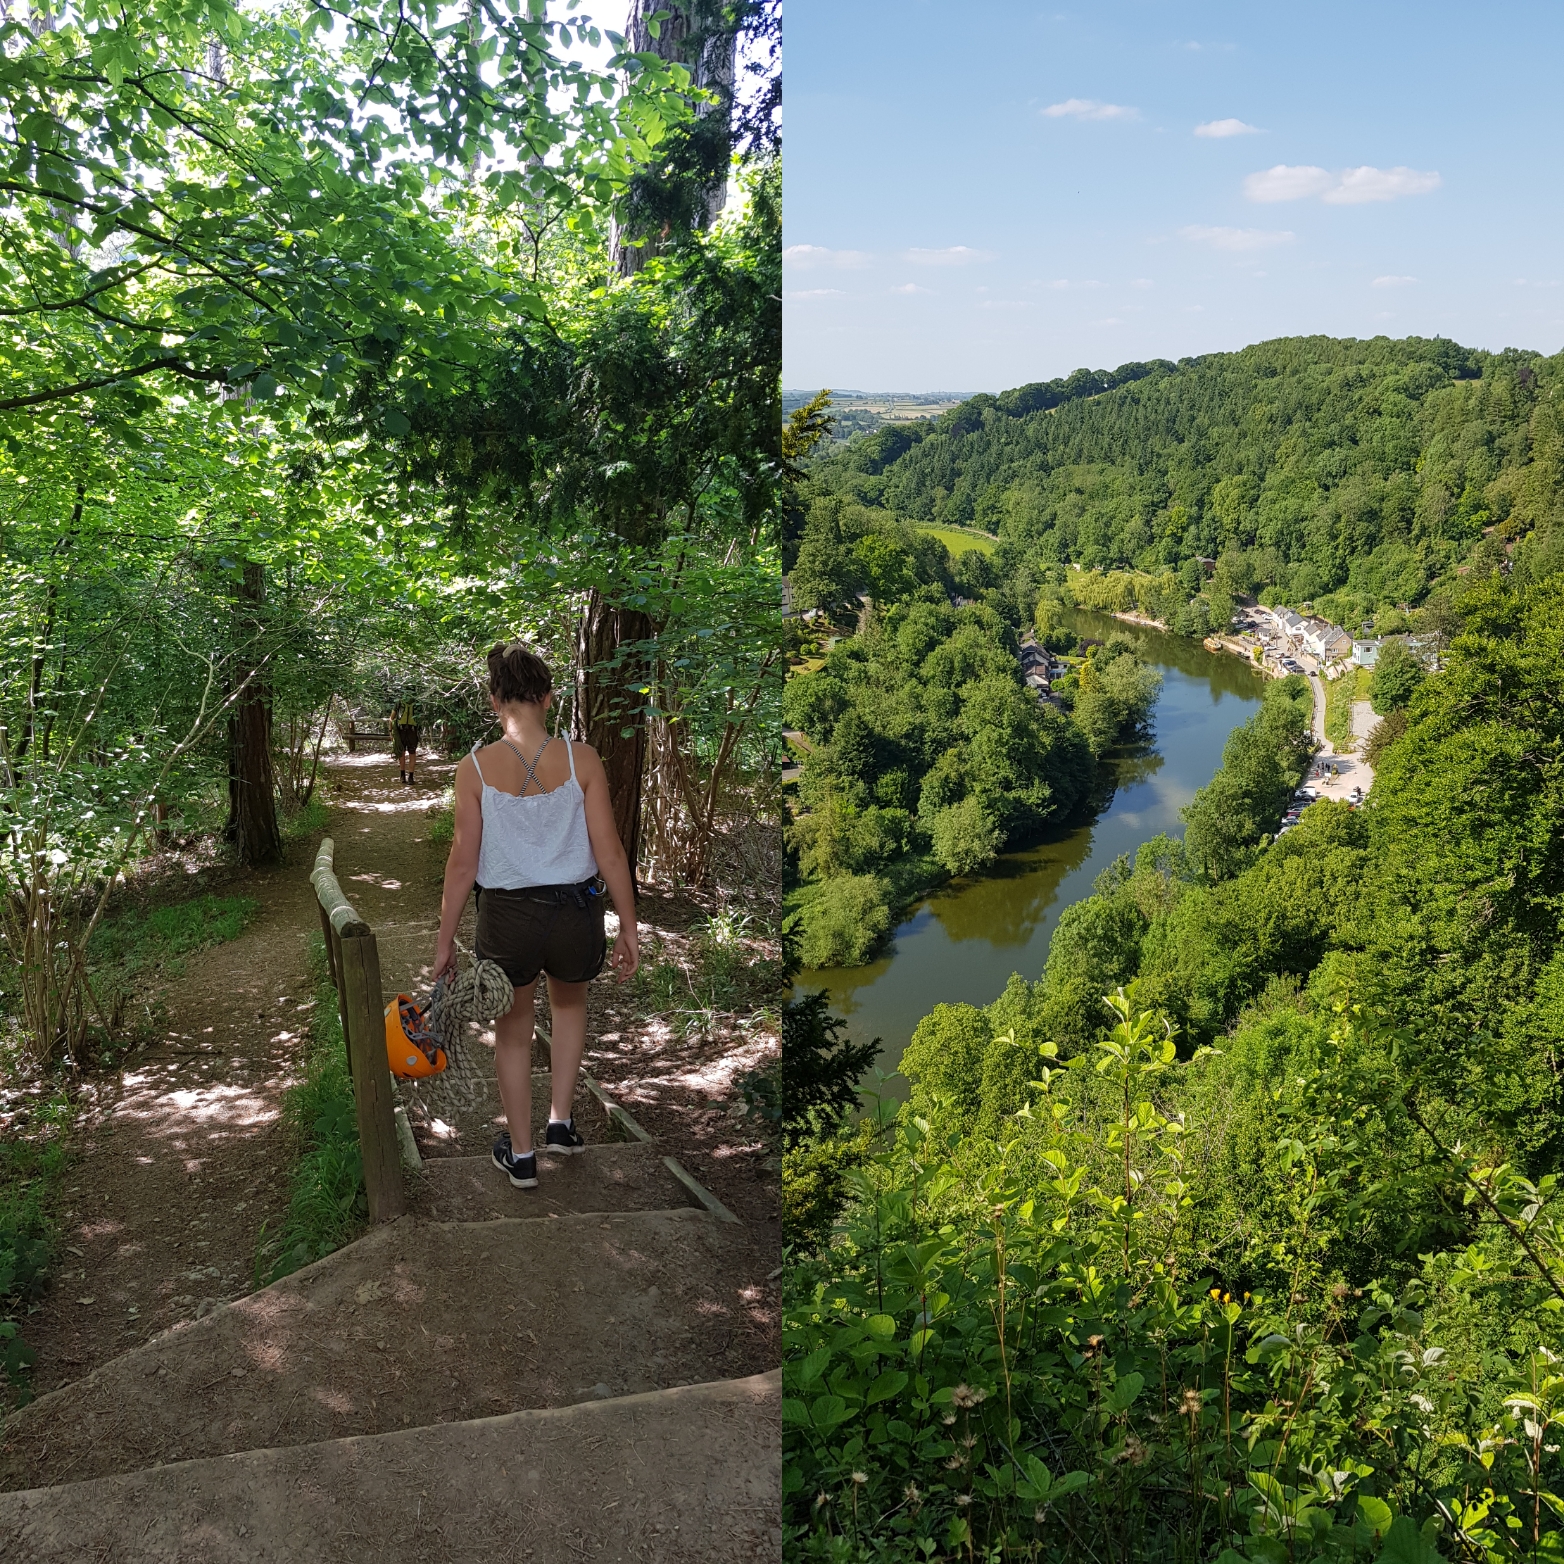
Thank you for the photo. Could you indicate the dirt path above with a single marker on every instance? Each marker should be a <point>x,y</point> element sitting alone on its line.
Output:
<point>182,1156</point>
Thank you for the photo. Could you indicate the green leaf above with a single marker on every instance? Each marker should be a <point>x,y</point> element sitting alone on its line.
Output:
<point>1374,1513</point>
<point>1124,1392</point>
<point>1404,1545</point>
<point>396,423</point>
<point>889,1384</point>
<point>827,1412</point>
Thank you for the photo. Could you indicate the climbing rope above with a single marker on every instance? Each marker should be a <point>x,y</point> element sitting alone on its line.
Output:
<point>481,993</point>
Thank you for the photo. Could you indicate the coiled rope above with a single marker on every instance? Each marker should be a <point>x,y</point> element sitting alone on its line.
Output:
<point>481,993</point>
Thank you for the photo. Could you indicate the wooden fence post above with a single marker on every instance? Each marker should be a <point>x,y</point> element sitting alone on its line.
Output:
<point>371,1079</point>
<point>355,968</point>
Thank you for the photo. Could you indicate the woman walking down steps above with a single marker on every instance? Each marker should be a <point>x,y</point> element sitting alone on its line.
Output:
<point>536,838</point>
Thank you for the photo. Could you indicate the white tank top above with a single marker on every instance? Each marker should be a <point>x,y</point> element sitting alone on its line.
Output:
<point>534,839</point>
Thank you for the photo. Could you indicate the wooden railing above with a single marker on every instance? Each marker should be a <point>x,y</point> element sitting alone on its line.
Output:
<point>355,972</point>
<point>372,732</point>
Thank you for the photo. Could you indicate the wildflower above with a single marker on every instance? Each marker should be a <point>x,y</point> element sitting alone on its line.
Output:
<point>969,1442</point>
<point>963,1498</point>
<point>1040,1514</point>
<point>948,1418</point>
<point>1135,1451</point>
<point>1190,1403</point>
<point>1339,1291</point>
<point>912,1496</point>
<point>821,1499</point>
<point>860,1478</point>
<point>966,1396</point>
<point>955,1463</point>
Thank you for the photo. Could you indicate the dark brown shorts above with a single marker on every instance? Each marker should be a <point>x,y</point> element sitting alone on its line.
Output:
<point>527,935</point>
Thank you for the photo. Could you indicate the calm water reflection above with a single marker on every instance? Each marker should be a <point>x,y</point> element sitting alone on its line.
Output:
<point>963,941</point>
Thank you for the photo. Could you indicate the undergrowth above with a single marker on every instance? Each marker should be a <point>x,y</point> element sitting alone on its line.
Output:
<point>142,938</point>
<point>30,1165</point>
<point>306,822</point>
<point>327,1206</point>
<point>442,820</point>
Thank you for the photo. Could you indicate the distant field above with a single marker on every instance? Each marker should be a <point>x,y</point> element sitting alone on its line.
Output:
<point>862,412</point>
<point>959,542</point>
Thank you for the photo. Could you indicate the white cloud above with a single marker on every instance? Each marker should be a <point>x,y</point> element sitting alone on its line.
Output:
<point>1218,129</point>
<point>1060,284</point>
<point>910,287</point>
<point>1350,187</point>
<point>1288,184</point>
<point>1004,304</point>
<point>1380,184</point>
<point>1089,108</point>
<point>1142,282</point>
<point>953,255</point>
<point>812,256</point>
<point>1237,238</point>
<point>1391,282</point>
<point>815,293</point>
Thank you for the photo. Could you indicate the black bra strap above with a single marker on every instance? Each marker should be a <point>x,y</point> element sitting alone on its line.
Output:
<point>531,775</point>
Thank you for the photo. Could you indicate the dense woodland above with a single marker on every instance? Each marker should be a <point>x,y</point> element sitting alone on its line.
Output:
<point>1233,1234</point>
<point>1356,476</point>
<point>340,342</point>
<point>930,756</point>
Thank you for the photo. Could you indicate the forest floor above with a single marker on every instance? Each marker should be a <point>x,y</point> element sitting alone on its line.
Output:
<point>181,1155</point>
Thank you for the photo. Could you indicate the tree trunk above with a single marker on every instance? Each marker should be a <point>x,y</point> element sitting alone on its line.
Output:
<point>611,668</point>
<point>252,789</point>
<point>695,34</point>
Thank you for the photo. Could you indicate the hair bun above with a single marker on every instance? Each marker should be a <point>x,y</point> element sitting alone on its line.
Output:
<point>517,674</point>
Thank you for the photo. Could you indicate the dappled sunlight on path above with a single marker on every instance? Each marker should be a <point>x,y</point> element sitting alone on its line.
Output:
<point>183,1157</point>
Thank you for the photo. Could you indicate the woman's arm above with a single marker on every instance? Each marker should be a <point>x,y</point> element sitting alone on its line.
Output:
<point>461,868</point>
<point>610,854</point>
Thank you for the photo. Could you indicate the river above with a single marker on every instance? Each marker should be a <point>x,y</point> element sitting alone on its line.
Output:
<point>962,942</point>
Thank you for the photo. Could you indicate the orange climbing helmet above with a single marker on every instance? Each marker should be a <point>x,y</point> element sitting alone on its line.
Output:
<point>412,1050</point>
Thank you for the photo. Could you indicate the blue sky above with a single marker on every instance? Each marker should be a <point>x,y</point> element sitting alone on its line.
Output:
<point>977,197</point>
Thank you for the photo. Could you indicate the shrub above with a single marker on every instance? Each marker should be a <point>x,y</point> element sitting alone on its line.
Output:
<point>1397,674</point>
<point>966,837</point>
<point>844,921</point>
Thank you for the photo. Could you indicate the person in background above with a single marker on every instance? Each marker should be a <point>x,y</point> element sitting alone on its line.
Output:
<point>405,734</point>
<point>535,834</point>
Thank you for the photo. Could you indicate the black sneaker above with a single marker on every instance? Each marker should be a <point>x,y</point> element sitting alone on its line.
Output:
<point>523,1170</point>
<point>563,1137</point>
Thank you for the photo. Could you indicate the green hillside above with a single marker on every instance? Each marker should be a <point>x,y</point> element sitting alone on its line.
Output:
<point>1354,474</point>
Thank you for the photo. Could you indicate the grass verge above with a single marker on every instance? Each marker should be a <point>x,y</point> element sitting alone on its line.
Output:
<point>32,1157</point>
<point>146,937</point>
<point>1340,696</point>
<point>306,822</point>
<point>327,1206</point>
<point>442,819</point>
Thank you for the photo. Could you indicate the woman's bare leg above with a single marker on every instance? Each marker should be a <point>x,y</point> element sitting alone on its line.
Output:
<point>568,1004</point>
<point>513,1065</point>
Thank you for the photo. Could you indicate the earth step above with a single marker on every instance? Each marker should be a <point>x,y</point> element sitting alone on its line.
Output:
<point>622,1176</point>
<point>417,1323</point>
<point>460,1119</point>
<point>689,1476</point>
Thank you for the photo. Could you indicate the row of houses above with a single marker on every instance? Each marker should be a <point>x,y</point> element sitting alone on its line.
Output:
<point>1284,635</point>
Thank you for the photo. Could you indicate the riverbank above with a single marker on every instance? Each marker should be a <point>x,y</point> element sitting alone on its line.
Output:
<point>960,941</point>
